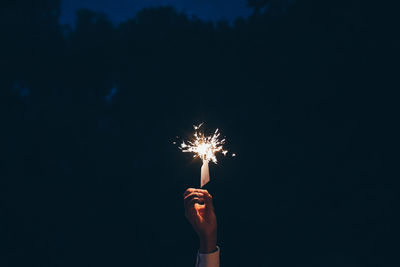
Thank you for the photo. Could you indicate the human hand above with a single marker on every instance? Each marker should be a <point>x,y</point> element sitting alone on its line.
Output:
<point>199,211</point>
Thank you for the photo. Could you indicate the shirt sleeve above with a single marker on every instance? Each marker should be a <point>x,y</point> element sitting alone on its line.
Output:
<point>208,260</point>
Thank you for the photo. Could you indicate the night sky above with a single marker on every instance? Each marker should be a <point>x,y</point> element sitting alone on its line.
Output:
<point>119,10</point>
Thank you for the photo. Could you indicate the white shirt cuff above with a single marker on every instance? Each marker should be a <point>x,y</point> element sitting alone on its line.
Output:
<point>208,260</point>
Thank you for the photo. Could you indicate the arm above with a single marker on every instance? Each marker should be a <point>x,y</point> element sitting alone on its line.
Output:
<point>199,211</point>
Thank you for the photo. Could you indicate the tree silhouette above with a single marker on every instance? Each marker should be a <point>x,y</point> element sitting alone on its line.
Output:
<point>258,5</point>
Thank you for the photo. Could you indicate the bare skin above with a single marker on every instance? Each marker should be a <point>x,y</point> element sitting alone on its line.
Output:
<point>199,211</point>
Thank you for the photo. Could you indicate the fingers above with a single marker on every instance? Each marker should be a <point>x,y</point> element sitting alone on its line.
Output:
<point>189,203</point>
<point>192,196</point>
<point>191,190</point>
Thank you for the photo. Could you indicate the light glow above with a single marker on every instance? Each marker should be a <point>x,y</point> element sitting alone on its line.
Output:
<point>204,147</point>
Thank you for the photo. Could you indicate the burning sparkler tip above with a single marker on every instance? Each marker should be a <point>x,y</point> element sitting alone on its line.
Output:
<point>204,147</point>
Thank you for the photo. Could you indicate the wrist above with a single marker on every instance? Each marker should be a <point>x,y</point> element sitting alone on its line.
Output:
<point>208,244</point>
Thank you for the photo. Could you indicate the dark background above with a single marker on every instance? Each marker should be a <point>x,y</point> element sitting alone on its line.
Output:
<point>89,111</point>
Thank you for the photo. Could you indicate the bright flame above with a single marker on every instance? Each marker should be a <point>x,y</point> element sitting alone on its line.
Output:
<point>204,147</point>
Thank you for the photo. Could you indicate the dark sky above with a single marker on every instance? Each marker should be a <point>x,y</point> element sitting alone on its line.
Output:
<point>119,10</point>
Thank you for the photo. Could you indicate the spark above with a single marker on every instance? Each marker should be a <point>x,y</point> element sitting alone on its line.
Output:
<point>196,127</point>
<point>204,147</point>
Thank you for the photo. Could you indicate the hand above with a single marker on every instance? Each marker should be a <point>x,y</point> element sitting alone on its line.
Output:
<point>199,211</point>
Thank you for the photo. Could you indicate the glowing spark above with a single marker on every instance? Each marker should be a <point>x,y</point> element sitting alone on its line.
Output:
<point>198,126</point>
<point>204,147</point>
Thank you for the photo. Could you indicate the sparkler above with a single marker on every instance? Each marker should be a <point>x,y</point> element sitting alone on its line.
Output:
<point>205,148</point>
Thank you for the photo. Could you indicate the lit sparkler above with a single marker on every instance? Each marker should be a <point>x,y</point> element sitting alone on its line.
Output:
<point>204,147</point>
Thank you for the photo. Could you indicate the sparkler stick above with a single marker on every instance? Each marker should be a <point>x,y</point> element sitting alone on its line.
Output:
<point>205,174</point>
<point>204,147</point>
